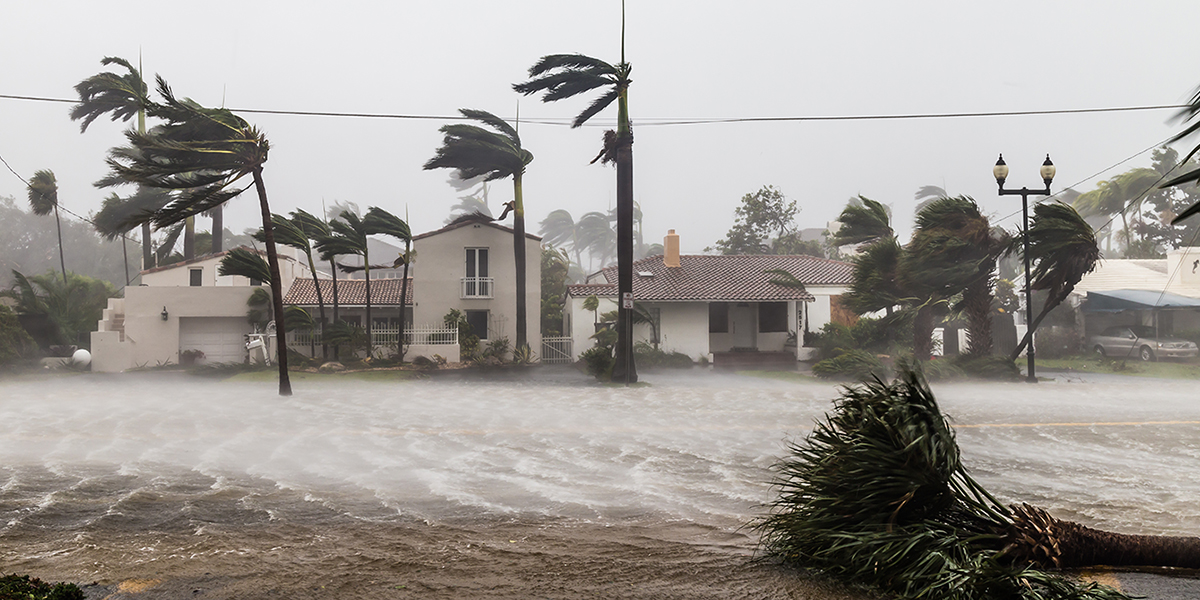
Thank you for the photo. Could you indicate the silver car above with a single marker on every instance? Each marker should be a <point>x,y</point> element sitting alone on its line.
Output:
<point>1140,341</point>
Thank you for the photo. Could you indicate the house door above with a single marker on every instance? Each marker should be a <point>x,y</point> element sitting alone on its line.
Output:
<point>742,329</point>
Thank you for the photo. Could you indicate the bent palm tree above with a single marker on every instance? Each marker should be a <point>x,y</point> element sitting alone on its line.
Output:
<point>348,236</point>
<point>863,220</point>
<point>382,222</point>
<point>291,234</point>
<point>478,152</point>
<point>562,76</point>
<point>205,154</point>
<point>43,198</point>
<point>1064,248</point>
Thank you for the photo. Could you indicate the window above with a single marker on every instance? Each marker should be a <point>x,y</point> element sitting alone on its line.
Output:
<point>478,320</point>
<point>196,277</point>
<point>477,283</point>
<point>718,317</point>
<point>772,317</point>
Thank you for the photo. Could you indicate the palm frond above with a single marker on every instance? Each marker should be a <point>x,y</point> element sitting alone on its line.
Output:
<point>863,221</point>
<point>381,222</point>
<point>246,263</point>
<point>43,192</point>
<point>312,226</point>
<point>120,96</point>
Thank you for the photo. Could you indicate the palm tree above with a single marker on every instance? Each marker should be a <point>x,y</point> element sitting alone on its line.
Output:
<point>563,76</point>
<point>477,152</point>
<point>874,286</point>
<point>348,237</point>
<point>1187,114</point>
<point>1064,248</point>
<point>71,306</point>
<point>863,221</point>
<point>1118,196</point>
<point>381,222</point>
<point>317,229</point>
<point>121,97</point>
<point>205,154</point>
<point>291,233</point>
<point>43,198</point>
<point>119,216</point>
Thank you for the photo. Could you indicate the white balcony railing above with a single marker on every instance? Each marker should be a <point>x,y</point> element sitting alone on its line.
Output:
<point>477,287</point>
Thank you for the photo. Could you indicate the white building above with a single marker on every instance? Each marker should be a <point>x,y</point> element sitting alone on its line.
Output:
<point>716,307</point>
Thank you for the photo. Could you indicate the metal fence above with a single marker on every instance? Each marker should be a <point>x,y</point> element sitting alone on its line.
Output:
<point>557,351</point>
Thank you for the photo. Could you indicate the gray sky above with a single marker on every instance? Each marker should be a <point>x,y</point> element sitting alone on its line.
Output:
<point>691,60</point>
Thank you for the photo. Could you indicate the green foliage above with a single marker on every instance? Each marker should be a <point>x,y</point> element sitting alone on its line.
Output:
<point>863,220</point>
<point>468,342</point>
<point>852,365</point>
<point>15,343</point>
<point>599,362</point>
<point>24,587</point>
<point>762,214</point>
<point>876,495</point>
<point>653,358</point>
<point>72,309</point>
<point>497,348</point>
<point>246,263</point>
<point>998,368</point>
<point>875,335</point>
<point>555,269</point>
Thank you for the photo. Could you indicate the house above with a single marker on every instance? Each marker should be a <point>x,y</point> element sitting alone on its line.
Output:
<point>1162,293</point>
<point>469,265</point>
<point>180,307</point>
<point>719,308</point>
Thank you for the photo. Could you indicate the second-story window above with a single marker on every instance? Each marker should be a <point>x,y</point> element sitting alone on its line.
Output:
<point>477,283</point>
<point>196,277</point>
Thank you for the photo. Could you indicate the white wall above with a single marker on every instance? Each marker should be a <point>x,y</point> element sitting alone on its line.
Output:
<point>441,265</point>
<point>819,311</point>
<point>685,328</point>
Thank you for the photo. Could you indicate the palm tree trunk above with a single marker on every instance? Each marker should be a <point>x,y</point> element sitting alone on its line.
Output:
<point>312,267</point>
<point>519,253</point>
<point>367,276</point>
<point>125,258</point>
<point>285,384</point>
<point>337,353</point>
<point>1040,538</point>
<point>1051,304</point>
<point>61,261</point>
<point>147,248</point>
<point>978,300</point>
<point>404,296</point>
<point>923,332</point>
<point>624,369</point>
<point>218,230</point>
<point>189,238</point>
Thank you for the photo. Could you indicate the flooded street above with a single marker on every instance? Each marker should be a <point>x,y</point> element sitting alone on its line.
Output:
<point>548,488</point>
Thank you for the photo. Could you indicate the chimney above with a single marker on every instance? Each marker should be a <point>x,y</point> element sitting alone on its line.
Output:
<point>671,249</point>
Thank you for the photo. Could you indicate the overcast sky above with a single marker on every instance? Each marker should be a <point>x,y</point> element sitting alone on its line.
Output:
<point>691,60</point>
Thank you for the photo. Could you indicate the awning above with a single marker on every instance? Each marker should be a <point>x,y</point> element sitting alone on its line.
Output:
<point>1119,300</point>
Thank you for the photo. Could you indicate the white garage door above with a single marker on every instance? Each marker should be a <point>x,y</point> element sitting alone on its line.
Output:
<point>220,338</point>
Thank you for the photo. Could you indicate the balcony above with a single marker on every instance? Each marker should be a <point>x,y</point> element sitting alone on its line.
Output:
<point>477,287</point>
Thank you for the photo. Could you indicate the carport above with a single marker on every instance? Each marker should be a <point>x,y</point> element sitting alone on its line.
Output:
<point>1165,312</point>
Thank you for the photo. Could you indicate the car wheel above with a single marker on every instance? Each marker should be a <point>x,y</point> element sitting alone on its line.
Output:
<point>1099,350</point>
<point>1147,354</point>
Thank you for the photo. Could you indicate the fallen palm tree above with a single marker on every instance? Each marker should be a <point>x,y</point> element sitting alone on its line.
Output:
<point>877,495</point>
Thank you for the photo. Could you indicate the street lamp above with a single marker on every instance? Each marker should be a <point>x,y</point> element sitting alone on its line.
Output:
<point>1047,172</point>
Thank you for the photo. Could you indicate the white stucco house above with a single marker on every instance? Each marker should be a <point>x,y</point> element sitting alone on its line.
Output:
<point>720,308</point>
<point>179,307</point>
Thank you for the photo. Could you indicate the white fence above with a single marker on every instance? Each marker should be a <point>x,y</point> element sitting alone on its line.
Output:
<point>417,340</point>
<point>557,351</point>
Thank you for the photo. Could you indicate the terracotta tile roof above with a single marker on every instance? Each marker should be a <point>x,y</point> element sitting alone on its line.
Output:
<point>735,278</point>
<point>351,292</point>
<point>472,220</point>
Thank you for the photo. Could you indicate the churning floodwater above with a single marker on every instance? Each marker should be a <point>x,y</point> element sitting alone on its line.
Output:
<point>548,487</point>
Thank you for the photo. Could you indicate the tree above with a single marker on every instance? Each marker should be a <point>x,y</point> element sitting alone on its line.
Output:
<point>43,198</point>
<point>29,244</point>
<point>562,76</point>
<point>1122,195</point>
<point>71,307</point>
<point>863,221</point>
<point>555,275</point>
<point>477,152</point>
<point>119,216</point>
<point>1063,247</point>
<point>763,215</point>
<point>348,236</point>
<point>291,233</point>
<point>204,155</point>
<point>381,222</point>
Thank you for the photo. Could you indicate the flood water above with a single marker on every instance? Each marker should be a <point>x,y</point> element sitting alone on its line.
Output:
<point>553,487</point>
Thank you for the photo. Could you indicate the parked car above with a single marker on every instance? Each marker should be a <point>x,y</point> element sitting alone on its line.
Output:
<point>1140,341</point>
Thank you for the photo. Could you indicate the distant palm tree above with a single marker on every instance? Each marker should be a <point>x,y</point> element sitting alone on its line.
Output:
<point>477,152</point>
<point>290,232</point>
<point>205,155</point>
<point>863,220</point>
<point>348,237</point>
<point>382,222</point>
<point>1064,249</point>
<point>562,76</point>
<point>1119,196</point>
<point>119,216</point>
<point>317,229</point>
<point>43,198</point>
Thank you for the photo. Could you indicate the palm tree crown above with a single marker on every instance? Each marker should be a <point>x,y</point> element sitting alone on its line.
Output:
<point>563,76</point>
<point>122,96</point>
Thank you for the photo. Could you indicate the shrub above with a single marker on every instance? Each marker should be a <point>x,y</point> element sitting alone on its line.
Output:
<point>987,366</point>
<point>599,362</point>
<point>650,357</point>
<point>854,364</point>
<point>32,588</point>
<point>15,343</point>
<point>833,340</point>
<point>1057,342</point>
<point>497,348</point>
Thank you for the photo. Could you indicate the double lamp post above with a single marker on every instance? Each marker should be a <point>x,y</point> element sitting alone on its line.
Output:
<point>1047,172</point>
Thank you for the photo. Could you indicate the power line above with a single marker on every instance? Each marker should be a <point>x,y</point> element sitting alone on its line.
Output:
<point>661,121</point>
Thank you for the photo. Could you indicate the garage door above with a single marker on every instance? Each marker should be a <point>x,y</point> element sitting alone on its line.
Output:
<point>219,338</point>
